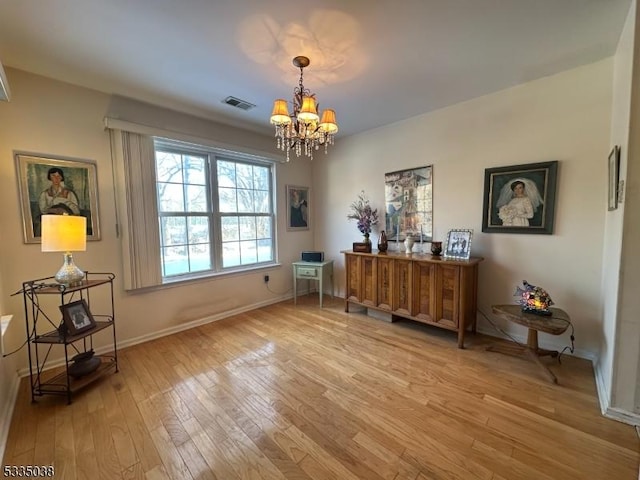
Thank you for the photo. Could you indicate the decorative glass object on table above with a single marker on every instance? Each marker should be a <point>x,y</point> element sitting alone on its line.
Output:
<point>383,243</point>
<point>409,241</point>
<point>533,299</point>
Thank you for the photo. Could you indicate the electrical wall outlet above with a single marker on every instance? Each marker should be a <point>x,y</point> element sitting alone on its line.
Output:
<point>266,279</point>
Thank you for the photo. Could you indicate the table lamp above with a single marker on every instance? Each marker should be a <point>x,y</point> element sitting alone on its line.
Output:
<point>534,299</point>
<point>65,233</point>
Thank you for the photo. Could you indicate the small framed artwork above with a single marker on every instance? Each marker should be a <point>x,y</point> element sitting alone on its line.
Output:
<point>77,317</point>
<point>458,244</point>
<point>56,186</point>
<point>297,208</point>
<point>520,198</point>
<point>614,177</point>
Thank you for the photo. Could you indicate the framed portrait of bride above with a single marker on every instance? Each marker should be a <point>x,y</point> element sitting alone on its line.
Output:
<point>520,198</point>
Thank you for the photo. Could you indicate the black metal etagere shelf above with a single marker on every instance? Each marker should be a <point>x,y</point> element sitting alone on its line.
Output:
<point>40,345</point>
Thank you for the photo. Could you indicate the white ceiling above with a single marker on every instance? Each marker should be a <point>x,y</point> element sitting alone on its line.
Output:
<point>373,61</point>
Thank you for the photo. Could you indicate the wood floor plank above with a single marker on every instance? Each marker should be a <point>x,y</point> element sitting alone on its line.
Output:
<point>208,448</point>
<point>173,463</point>
<point>120,436</point>
<point>134,472</point>
<point>142,441</point>
<point>105,451</point>
<point>64,444</point>
<point>303,393</point>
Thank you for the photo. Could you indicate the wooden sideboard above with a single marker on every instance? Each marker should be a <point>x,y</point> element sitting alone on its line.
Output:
<point>433,290</point>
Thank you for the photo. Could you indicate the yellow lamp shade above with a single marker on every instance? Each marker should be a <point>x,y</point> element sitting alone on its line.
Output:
<point>308,112</point>
<point>328,123</point>
<point>64,233</point>
<point>280,114</point>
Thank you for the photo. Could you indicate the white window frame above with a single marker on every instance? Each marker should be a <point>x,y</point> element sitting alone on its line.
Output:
<point>215,239</point>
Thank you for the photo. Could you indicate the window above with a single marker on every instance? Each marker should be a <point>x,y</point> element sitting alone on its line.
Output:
<point>215,210</point>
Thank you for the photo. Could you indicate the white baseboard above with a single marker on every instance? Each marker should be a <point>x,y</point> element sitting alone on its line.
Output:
<point>601,387</point>
<point>623,416</point>
<point>604,395</point>
<point>7,415</point>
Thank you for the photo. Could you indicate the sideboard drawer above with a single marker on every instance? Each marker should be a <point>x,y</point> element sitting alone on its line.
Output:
<point>307,272</point>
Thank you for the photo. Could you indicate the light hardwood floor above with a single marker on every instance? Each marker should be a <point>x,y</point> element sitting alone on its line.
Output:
<point>288,392</point>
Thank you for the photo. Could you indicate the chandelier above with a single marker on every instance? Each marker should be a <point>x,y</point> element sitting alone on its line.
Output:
<point>303,131</point>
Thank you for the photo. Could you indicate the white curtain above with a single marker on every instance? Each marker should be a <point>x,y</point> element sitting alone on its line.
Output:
<point>133,159</point>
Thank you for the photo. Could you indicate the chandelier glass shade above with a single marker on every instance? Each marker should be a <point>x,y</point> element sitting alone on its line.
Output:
<point>304,130</point>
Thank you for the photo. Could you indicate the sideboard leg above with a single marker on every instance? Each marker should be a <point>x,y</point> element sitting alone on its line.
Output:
<point>346,305</point>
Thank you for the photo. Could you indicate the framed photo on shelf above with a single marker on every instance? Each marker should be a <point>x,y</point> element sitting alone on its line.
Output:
<point>58,186</point>
<point>297,208</point>
<point>520,198</point>
<point>458,244</point>
<point>77,317</point>
<point>614,177</point>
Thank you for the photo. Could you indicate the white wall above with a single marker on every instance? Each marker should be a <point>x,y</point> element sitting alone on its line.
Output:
<point>565,117</point>
<point>614,223</point>
<point>625,395</point>
<point>50,117</point>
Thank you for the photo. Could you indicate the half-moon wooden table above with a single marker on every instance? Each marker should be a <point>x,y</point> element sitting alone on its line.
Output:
<point>555,324</point>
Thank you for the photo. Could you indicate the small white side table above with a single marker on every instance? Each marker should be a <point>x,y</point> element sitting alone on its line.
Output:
<point>312,271</point>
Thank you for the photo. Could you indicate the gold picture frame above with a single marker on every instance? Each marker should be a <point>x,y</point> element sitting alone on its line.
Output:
<point>56,185</point>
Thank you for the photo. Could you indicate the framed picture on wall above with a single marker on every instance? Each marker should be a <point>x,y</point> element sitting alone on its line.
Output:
<point>520,198</point>
<point>52,185</point>
<point>297,208</point>
<point>409,203</point>
<point>614,177</point>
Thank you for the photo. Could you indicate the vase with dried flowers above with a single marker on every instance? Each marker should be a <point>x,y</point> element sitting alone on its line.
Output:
<point>362,213</point>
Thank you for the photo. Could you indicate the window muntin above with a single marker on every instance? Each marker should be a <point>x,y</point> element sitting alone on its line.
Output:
<point>215,211</point>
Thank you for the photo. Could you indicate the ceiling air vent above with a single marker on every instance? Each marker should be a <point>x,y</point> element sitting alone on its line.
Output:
<point>236,102</point>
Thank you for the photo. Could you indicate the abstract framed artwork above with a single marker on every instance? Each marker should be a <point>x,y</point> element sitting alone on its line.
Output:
<point>520,198</point>
<point>58,186</point>
<point>409,203</point>
<point>297,208</point>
